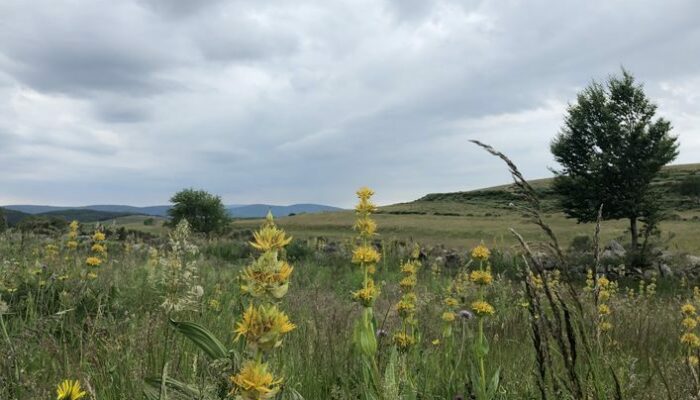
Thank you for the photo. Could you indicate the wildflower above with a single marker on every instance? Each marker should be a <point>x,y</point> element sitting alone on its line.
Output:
<point>366,226</point>
<point>603,282</point>
<point>693,360</point>
<point>436,342</point>
<point>255,382</point>
<point>482,308</point>
<point>69,390</point>
<point>367,294</point>
<point>405,307</point>
<point>688,309</point>
<point>689,323</point>
<point>263,327</point>
<point>408,282</point>
<point>448,316</point>
<point>605,326</point>
<point>98,248</point>
<point>451,302</point>
<point>267,274</point>
<point>93,261</point>
<point>365,206</point>
<point>270,237</point>
<point>690,339</point>
<point>365,255</point>
<point>480,253</point>
<point>214,305</point>
<point>409,268</point>
<point>72,244</point>
<point>98,236</point>
<point>403,340</point>
<point>91,275</point>
<point>481,277</point>
<point>603,309</point>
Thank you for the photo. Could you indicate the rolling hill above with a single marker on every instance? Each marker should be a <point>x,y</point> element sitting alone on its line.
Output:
<point>464,219</point>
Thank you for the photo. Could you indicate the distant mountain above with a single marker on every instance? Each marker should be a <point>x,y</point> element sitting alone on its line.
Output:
<point>235,210</point>
<point>85,215</point>
<point>160,211</point>
<point>260,210</point>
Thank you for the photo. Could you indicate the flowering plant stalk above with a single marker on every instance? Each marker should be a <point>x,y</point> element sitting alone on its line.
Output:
<point>264,324</point>
<point>482,277</point>
<point>367,257</point>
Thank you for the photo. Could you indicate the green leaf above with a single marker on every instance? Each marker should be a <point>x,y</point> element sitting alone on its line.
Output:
<point>493,385</point>
<point>201,337</point>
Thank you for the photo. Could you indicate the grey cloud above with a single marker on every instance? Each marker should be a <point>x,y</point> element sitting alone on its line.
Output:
<point>279,102</point>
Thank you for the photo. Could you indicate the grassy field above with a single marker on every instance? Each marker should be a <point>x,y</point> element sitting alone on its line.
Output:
<point>474,224</point>
<point>135,316</point>
<point>463,219</point>
<point>110,330</point>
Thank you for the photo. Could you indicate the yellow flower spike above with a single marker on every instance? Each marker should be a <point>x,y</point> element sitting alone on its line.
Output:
<point>481,277</point>
<point>365,255</point>
<point>405,307</point>
<point>409,268</point>
<point>448,316</point>
<point>270,237</point>
<point>366,227</point>
<point>404,341</point>
<point>690,339</point>
<point>364,193</point>
<point>69,390</point>
<point>603,282</point>
<point>263,327</point>
<point>451,302</point>
<point>267,275</point>
<point>72,244</point>
<point>93,261</point>
<point>482,308</point>
<point>481,253</point>
<point>255,382</point>
<point>408,282</point>
<point>688,309</point>
<point>693,360</point>
<point>603,309</point>
<point>98,248</point>
<point>367,294</point>
<point>689,323</point>
<point>98,236</point>
<point>605,326</point>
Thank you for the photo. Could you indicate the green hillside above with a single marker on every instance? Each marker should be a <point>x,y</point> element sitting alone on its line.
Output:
<point>676,196</point>
<point>463,219</point>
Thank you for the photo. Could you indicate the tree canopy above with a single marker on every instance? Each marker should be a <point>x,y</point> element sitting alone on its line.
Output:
<point>204,211</point>
<point>610,148</point>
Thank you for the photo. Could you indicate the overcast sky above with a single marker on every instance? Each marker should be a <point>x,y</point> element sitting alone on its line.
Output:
<point>304,101</point>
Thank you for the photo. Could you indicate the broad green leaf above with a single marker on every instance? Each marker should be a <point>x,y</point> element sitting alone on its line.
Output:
<point>201,337</point>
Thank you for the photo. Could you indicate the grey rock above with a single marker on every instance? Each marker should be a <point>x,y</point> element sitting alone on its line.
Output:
<point>665,270</point>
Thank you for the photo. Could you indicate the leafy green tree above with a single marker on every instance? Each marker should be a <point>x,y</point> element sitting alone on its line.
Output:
<point>610,149</point>
<point>204,211</point>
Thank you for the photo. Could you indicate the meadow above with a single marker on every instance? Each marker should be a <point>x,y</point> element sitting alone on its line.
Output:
<point>83,305</point>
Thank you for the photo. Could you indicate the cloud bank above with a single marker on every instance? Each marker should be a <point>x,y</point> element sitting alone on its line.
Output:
<point>283,102</point>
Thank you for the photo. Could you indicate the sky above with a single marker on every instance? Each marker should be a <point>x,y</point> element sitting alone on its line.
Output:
<point>280,102</point>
